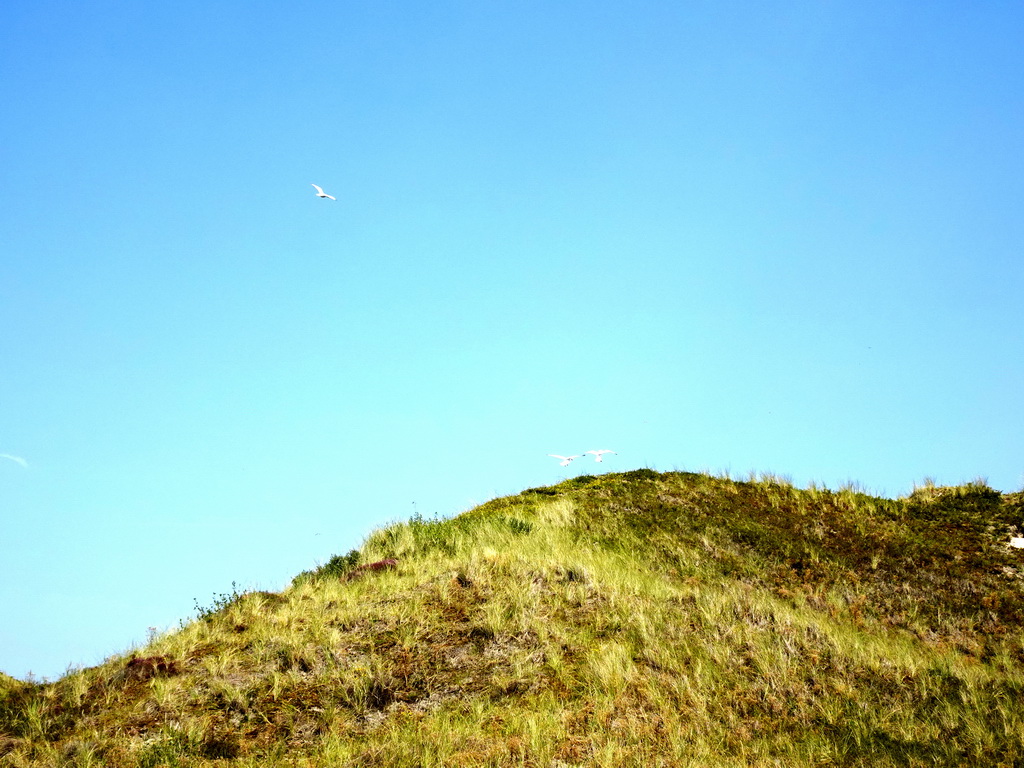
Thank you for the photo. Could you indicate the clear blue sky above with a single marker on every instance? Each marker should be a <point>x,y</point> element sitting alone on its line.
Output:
<point>784,237</point>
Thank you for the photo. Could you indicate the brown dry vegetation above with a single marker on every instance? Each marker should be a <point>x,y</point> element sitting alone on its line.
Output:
<point>633,619</point>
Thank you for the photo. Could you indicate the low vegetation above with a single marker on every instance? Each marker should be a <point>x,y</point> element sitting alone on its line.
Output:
<point>636,619</point>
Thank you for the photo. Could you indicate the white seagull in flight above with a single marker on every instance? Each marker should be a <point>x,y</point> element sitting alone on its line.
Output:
<point>599,454</point>
<point>15,459</point>
<point>321,194</point>
<point>566,460</point>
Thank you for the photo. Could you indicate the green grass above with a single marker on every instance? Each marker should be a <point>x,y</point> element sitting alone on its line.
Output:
<point>630,619</point>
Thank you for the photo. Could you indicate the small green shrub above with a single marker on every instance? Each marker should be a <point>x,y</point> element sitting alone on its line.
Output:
<point>337,567</point>
<point>541,491</point>
<point>220,602</point>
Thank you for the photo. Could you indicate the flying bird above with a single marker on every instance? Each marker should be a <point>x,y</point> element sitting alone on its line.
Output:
<point>15,459</point>
<point>1017,541</point>
<point>599,454</point>
<point>321,194</point>
<point>566,460</point>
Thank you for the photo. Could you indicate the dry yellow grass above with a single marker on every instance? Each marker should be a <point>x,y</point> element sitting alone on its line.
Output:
<point>637,619</point>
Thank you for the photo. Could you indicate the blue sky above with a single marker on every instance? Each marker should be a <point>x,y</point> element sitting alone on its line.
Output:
<point>780,237</point>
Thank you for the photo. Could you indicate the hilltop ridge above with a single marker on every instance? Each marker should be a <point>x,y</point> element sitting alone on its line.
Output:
<point>635,618</point>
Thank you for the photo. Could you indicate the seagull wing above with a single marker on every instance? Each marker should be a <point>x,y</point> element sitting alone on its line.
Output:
<point>318,190</point>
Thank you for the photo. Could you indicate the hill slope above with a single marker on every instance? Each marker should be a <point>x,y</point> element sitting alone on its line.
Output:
<point>632,619</point>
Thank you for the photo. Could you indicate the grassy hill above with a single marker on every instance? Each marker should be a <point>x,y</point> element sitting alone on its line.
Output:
<point>628,619</point>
